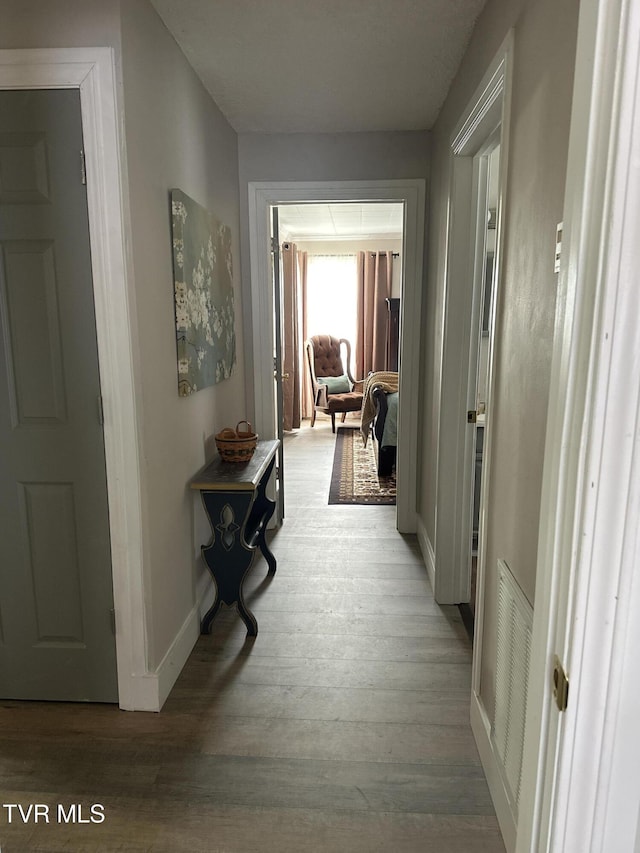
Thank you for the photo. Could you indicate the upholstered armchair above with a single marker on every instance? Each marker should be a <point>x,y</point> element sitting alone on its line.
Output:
<point>333,387</point>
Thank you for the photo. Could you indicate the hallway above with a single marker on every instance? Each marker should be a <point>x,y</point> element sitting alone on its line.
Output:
<point>342,727</point>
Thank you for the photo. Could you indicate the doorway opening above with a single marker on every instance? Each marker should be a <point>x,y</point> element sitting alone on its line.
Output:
<point>339,272</point>
<point>410,194</point>
<point>330,237</point>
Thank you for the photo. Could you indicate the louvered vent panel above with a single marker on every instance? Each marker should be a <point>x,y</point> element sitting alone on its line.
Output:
<point>515,619</point>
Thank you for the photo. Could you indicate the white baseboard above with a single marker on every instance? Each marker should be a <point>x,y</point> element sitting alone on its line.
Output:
<point>142,694</point>
<point>428,555</point>
<point>150,691</point>
<point>481,728</point>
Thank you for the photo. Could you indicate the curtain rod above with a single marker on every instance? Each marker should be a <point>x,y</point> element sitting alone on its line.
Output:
<point>344,254</point>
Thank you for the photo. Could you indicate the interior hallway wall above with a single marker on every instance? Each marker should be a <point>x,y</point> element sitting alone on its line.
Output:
<point>544,54</point>
<point>175,137</point>
<point>65,23</point>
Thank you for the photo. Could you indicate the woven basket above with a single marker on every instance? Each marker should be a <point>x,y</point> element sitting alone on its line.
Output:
<point>235,445</point>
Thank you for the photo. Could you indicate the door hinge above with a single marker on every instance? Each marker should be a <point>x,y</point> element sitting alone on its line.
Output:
<point>100,410</point>
<point>472,416</point>
<point>560,684</point>
<point>556,259</point>
<point>112,616</point>
<point>83,168</point>
<point>274,245</point>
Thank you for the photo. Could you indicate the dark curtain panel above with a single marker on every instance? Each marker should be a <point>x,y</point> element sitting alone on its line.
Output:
<point>374,286</point>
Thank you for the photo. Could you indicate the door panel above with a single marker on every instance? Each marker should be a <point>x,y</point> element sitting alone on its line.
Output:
<point>32,338</point>
<point>23,166</point>
<point>48,528</point>
<point>56,594</point>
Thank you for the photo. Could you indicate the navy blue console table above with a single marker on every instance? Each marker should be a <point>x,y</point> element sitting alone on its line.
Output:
<point>235,501</point>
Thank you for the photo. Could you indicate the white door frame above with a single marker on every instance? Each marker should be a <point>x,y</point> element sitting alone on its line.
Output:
<point>480,175</point>
<point>488,109</point>
<point>485,120</point>
<point>92,72</point>
<point>262,196</point>
<point>581,787</point>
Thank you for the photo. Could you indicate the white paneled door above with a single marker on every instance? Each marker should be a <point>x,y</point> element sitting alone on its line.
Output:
<point>56,598</point>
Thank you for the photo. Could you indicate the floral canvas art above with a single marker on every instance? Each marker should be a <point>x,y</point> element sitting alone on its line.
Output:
<point>203,283</point>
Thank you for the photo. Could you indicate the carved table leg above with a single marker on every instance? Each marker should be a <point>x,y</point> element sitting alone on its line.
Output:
<point>247,617</point>
<point>207,619</point>
<point>261,512</point>
<point>266,552</point>
<point>228,557</point>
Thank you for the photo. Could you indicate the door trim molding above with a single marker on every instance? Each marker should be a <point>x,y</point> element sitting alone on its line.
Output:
<point>92,71</point>
<point>426,548</point>
<point>493,771</point>
<point>263,195</point>
<point>488,109</point>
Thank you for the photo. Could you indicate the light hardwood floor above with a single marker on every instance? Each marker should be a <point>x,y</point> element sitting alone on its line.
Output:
<point>342,727</point>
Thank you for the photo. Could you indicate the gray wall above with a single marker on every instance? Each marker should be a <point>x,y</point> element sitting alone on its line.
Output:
<point>64,23</point>
<point>544,55</point>
<point>333,156</point>
<point>320,157</point>
<point>175,137</point>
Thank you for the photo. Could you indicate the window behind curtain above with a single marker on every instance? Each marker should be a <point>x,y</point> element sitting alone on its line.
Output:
<point>332,299</point>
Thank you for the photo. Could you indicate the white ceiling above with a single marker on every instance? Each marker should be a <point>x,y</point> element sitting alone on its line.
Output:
<point>341,221</point>
<point>324,65</point>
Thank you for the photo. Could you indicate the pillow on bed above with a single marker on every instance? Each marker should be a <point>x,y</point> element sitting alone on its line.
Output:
<point>335,384</point>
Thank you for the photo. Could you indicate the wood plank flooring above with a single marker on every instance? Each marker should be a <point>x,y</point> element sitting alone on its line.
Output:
<point>342,727</point>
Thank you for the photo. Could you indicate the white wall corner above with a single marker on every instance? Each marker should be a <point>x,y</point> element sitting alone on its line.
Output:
<point>409,521</point>
<point>150,692</point>
<point>481,728</point>
<point>141,695</point>
<point>426,549</point>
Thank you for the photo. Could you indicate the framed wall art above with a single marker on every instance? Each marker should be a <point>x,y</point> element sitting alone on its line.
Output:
<point>203,289</point>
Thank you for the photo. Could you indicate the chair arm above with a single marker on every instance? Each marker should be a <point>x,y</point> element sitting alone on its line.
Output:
<point>321,396</point>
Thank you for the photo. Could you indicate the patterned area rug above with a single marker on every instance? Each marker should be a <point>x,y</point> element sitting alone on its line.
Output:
<point>354,479</point>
